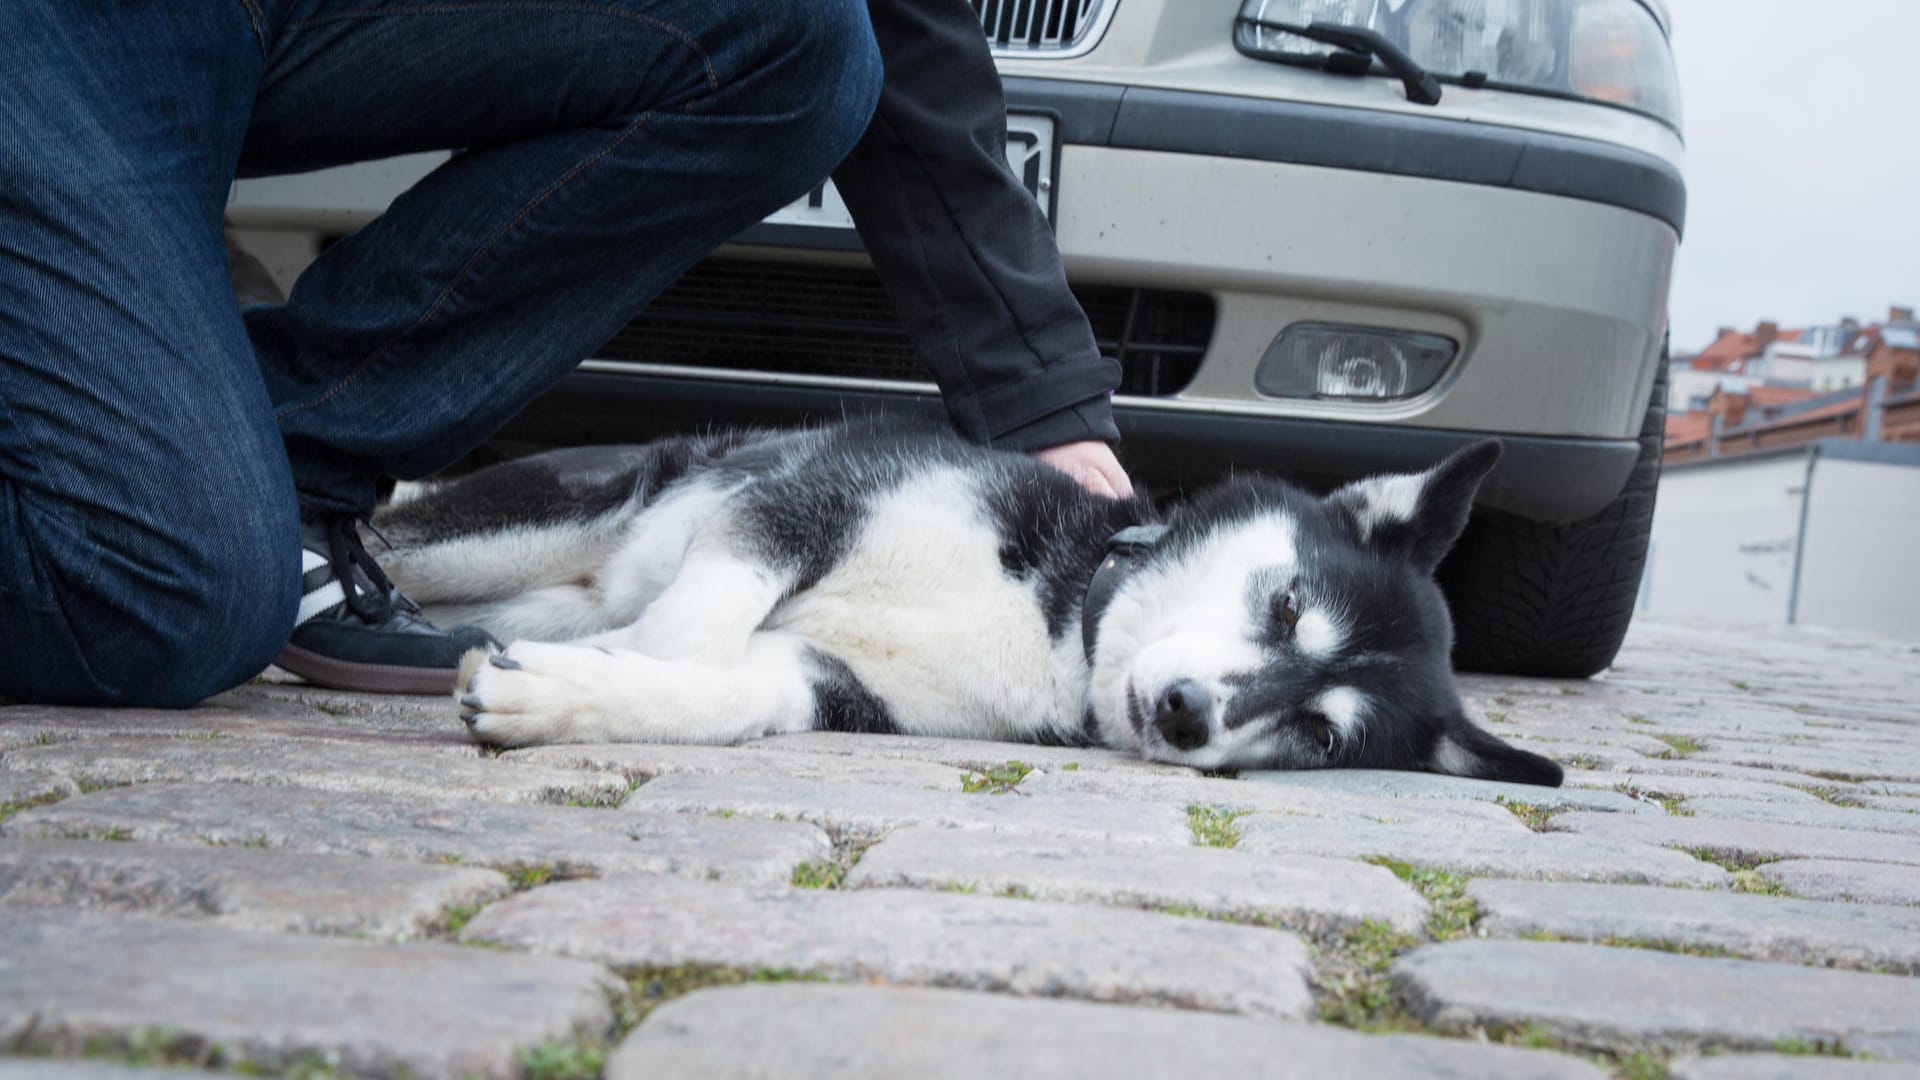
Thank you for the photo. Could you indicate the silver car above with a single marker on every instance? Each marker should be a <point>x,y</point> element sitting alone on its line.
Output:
<point>1322,237</point>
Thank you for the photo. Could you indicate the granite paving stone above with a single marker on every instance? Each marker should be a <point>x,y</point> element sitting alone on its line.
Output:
<point>1824,816</point>
<point>1742,839</point>
<point>1374,783</point>
<point>1816,932</point>
<point>1180,792</point>
<point>964,753</point>
<point>320,765</point>
<point>29,1068</point>
<point>1690,787</point>
<point>1299,892</point>
<point>255,711</point>
<point>806,1033</point>
<point>1687,766</point>
<point>1024,947</point>
<point>574,841</point>
<point>1600,997</point>
<point>1833,879</point>
<point>1475,852</point>
<point>1788,1067</point>
<point>869,809</point>
<point>646,761</point>
<point>1856,764</point>
<point>244,888</point>
<point>274,1000</point>
<point>1899,804</point>
<point>26,787</point>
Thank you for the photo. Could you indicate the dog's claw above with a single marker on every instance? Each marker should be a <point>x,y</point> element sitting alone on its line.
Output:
<point>504,662</point>
<point>470,719</point>
<point>472,701</point>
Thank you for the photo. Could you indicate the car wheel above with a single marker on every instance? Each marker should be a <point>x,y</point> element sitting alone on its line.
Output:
<point>1555,600</point>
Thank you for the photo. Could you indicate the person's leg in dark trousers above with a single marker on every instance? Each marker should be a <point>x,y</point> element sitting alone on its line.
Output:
<point>610,146</point>
<point>148,532</point>
<point>148,540</point>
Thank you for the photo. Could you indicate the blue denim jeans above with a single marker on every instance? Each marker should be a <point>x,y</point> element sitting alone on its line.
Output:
<point>157,447</point>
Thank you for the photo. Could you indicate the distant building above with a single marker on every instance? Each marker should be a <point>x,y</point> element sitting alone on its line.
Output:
<point>1792,479</point>
<point>1774,388</point>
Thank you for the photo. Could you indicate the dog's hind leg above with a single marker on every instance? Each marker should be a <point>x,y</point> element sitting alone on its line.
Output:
<point>555,613</point>
<point>536,693</point>
<point>709,612</point>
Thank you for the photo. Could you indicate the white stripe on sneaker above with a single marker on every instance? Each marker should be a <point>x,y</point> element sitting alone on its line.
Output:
<point>311,560</point>
<point>319,600</point>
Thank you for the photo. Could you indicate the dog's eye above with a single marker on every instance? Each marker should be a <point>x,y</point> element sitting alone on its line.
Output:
<point>1288,609</point>
<point>1320,730</point>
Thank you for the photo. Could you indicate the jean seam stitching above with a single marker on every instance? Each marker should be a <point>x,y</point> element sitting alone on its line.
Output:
<point>259,20</point>
<point>465,272</point>
<point>691,42</point>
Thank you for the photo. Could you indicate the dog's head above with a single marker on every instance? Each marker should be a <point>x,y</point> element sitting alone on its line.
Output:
<point>1273,629</point>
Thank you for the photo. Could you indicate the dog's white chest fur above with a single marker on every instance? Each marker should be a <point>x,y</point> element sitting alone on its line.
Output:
<point>922,611</point>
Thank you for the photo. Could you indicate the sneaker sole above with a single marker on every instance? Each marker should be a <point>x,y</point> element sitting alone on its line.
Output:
<point>373,678</point>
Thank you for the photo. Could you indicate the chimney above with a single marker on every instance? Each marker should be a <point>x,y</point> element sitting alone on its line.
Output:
<point>1900,314</point>
<point>1727,406</point>
<point>1849,324</point>
<point>1724,332</point>
<point>1764,335</point>
<point>1876,410</point>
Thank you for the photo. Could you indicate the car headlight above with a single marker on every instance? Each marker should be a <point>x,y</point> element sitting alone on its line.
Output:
<point>1608,51</point>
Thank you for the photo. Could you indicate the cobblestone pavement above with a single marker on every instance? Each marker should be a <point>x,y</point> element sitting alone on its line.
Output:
<point>309,883</point>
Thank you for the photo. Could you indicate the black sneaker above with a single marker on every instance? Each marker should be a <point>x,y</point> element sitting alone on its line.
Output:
<point>357,632</point>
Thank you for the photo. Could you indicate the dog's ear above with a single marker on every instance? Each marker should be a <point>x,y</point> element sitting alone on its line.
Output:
<point>1464,750</point>
<point>1419,515</point>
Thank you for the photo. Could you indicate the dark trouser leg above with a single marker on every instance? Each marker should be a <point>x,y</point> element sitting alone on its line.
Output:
<point>610,146</point>
<point>148,542</point>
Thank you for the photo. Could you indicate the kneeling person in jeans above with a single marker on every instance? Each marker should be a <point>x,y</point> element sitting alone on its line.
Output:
<point>180,483</point>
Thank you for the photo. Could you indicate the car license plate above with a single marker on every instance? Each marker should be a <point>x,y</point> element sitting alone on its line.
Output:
<point>1030,151</point>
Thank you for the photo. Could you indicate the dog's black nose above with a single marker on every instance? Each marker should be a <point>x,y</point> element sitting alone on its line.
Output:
<point>1181,714</point>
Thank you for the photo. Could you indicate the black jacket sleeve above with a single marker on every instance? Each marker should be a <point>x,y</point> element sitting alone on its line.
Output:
<point>964,251</point>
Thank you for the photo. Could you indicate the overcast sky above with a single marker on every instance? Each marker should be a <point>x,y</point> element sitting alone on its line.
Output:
<point>1803,162</point>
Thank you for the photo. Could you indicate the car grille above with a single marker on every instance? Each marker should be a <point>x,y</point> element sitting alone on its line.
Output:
<point>1038,25</point>
<point>787,318</point>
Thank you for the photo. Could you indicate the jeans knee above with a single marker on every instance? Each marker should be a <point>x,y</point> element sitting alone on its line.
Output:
<point>153,617</point>
<point>832,77</point>
<point>235,622</point>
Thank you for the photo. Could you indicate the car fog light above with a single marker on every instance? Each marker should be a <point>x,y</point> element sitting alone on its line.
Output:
<point>1317,360</point>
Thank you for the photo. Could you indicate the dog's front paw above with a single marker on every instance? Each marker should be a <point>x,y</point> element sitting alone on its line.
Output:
<point>532,693</point>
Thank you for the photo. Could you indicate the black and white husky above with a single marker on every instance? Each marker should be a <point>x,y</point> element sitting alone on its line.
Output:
<point>880,578</point>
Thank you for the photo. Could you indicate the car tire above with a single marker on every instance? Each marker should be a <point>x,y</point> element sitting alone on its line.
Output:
<point>1555,600</point>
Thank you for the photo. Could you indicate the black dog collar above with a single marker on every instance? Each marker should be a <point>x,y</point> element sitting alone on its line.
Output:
<point>1124,549</point>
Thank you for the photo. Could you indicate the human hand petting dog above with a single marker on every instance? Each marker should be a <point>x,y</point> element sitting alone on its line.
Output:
<point>1092,463</point>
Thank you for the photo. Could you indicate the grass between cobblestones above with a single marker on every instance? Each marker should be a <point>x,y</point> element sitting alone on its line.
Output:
<point>168,1048</point>
<point>1352,968</point>
<point>1532,816</point>
<point>1213,826</point>
<point>1745,871</point>
<point>646,990</point>
<point>1672,804</point>
<point>8,809</point>
<point>830,873</point>
<point>998,780</point>
<point>1681,746</point>
<point>1352,976</point>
